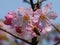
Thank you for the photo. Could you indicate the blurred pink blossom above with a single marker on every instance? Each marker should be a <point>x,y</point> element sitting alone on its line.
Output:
<point>26,19</point>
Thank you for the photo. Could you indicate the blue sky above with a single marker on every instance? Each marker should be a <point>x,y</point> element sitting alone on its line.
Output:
<point>7,5</point>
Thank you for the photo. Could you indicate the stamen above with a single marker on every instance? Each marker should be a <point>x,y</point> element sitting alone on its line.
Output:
<point>26,18</point>
<point>43,17</point>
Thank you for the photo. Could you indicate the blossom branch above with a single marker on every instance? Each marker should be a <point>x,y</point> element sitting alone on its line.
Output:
<point>15,36</point>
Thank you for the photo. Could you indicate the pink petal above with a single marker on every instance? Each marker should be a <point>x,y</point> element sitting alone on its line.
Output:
<point>29,11</point>
<point>17,21</point>
<point>43,32</point>
<point>9,16</point>
<point>11,13</point>
<point>48,28</point>
<point>21,10</point>
<point>1,24</point>
<point>51,15</point>
<point>39,11</point>
<point>33,34</point>
<point>46,8</point>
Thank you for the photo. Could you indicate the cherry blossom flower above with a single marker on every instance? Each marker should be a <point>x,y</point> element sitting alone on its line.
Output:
<point>26,23</point>
<point>26,19</point>
<point>9,17</point>
<point>46,16</point>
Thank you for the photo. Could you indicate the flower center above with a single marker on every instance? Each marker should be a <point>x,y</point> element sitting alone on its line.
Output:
<point>43,17</point>
<point>26,17</point>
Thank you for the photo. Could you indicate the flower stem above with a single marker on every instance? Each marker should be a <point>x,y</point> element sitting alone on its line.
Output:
<point>15,36</point>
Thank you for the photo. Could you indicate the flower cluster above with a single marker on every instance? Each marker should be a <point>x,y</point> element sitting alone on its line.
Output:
<point>25,20</point>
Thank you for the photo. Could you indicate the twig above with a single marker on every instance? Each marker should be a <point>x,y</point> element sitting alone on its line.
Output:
<point>26,1</point>
<point>57,43</point>
<point>32,5</point>
<point>15,36</point>
<point>34,41</point>
<point>55,28</point>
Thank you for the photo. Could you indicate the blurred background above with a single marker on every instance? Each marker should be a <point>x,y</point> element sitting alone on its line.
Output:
<point>49,39</point>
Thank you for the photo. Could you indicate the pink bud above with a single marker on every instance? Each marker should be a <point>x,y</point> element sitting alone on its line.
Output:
<point>9,16</point>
